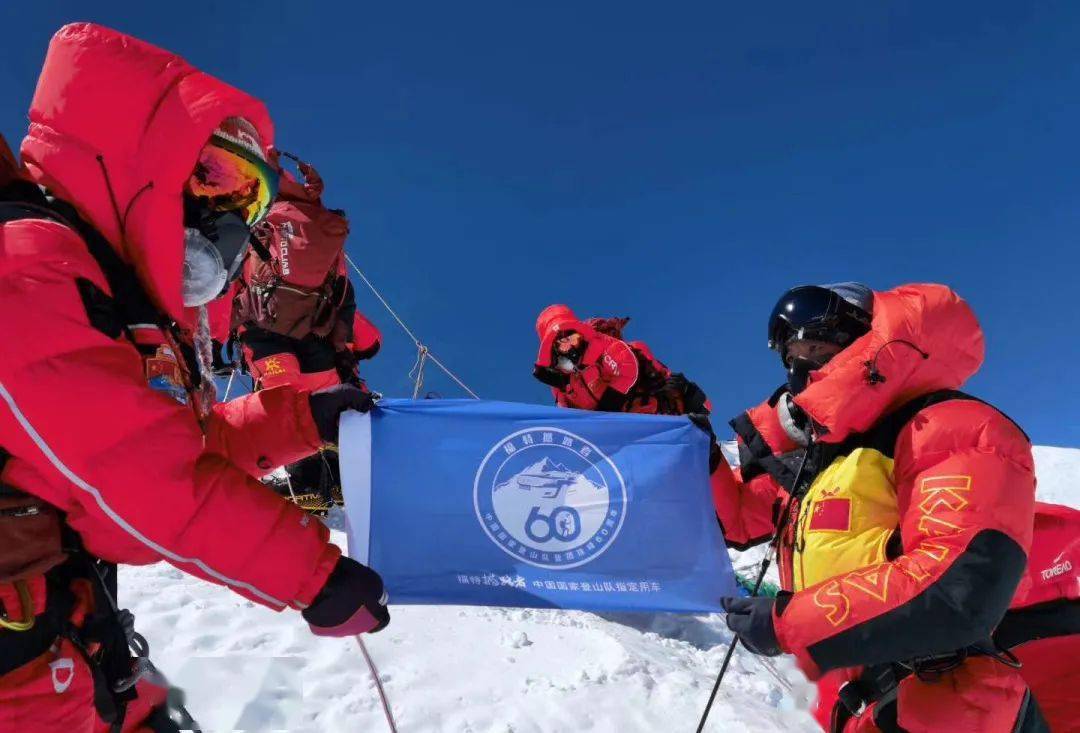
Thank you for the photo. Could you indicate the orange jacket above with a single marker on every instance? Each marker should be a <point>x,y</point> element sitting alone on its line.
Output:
<point>908,534</point>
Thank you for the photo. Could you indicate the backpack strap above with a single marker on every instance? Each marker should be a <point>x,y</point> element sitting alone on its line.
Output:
<point>884,435</point>
<point>130,297</point>
<point>756,456</point>
<point>129,307</point>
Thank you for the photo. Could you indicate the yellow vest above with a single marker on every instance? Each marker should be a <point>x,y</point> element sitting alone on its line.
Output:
<point>846,518</point>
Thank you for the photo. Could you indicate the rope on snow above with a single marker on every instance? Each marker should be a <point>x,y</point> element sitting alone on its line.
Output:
<point>423,353</point>
<point>378,684</point>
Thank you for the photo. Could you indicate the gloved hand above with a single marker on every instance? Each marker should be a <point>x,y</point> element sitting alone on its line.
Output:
<point>353,601</point>
<point>752,619</point>
<point>702,422</point>
<point>551,377</point>
<point>328,404</point>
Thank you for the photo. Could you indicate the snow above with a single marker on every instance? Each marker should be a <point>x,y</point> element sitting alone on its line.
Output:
<point>1058,470</point>
<point>473,670</point>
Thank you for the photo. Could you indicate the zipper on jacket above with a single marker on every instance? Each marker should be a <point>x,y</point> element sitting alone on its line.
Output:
<point>801,514</point>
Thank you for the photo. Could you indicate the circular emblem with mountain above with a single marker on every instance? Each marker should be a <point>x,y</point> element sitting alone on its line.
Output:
<point>549,498</point>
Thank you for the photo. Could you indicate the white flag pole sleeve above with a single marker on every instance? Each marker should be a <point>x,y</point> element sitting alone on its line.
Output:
<point>354,456</point>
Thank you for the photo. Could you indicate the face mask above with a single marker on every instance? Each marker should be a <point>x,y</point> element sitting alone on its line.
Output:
<point>563,364</point>
<point>799,373</point>
<point>214,250</point>
<point>205,275</point>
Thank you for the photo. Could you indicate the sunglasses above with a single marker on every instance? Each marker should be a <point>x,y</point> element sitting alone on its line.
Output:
<point>226,178</point>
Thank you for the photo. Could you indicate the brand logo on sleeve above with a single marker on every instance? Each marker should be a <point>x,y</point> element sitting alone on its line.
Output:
<point>1057,570</point>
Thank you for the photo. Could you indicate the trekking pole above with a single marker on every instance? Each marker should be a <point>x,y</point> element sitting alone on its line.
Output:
<point>734,643</point>
<point>781,523</point>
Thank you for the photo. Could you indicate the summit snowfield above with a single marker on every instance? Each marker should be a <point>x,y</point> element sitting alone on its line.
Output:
<point>473,670</point>
<point>1058,472</point>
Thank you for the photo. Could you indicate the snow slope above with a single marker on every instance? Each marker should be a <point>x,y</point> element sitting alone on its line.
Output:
<point>473,669</point>
<point>1058,470</point>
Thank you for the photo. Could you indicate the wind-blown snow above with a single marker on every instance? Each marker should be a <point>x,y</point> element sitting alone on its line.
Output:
<point>472,670</point>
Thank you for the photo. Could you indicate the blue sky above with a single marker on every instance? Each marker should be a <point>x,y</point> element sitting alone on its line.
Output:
<point>680,164</point>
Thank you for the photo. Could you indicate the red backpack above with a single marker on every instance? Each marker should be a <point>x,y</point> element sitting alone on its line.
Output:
<point>299,289</point>
<point>1042,628</point>
<point>1054,560</point>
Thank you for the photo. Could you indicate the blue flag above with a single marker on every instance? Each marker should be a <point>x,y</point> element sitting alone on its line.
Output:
<point>504,504</point>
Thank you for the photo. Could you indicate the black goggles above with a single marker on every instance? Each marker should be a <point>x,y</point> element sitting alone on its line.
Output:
<point>814,312</point>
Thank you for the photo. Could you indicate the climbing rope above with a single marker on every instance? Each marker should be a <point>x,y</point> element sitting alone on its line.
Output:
<point>228,387</point>
<point>417,372</point>
<point>423,353</point>
<point>378,684</point>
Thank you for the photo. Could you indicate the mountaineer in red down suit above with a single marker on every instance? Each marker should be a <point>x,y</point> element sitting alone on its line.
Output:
<point>903,514</point>
<point>295,314</point>
<point>295,310</point>
<point>588,366</point>
<point>154,173</point>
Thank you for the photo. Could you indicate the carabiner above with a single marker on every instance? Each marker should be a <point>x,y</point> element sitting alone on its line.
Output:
<point>27,604</point>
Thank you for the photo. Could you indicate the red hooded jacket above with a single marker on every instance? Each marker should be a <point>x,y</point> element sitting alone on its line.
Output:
<point>909,533</point>
<point>136,474</point>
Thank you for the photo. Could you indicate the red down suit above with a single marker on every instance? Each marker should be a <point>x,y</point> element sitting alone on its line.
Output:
<point>611,374</point>
<point>295,312</point>
<point>116,126</point>
<point>905,543</point>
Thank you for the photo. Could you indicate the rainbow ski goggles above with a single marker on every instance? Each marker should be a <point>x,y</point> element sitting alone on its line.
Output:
<point>228,178</point>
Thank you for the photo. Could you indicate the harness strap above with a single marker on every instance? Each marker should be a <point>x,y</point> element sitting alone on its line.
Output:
<point>22,647</point>
<point>878,684</point>
<point>129,300</point>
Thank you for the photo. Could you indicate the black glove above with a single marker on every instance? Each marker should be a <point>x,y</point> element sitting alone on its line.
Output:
<point>345,364</point>
<point>551,377</point>
<point>328,404</point>
<point>702,422</point>
<point>353,601</point>
<point>752,619</point>
<point>694,397</point>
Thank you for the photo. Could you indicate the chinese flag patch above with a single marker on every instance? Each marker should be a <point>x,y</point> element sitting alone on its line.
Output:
<point>832,515</point>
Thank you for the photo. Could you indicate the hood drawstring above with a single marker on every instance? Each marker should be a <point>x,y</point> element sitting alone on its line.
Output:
<point>876,377</point>
<point>112,194</point>
<point>121,221</point>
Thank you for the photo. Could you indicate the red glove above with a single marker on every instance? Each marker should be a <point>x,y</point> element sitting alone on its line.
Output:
<point>353,601</point>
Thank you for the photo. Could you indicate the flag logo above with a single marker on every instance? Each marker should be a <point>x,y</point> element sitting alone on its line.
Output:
<point>549,498</point>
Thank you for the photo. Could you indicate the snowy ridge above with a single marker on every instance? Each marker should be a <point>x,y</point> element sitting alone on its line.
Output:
<point>474,670</point>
